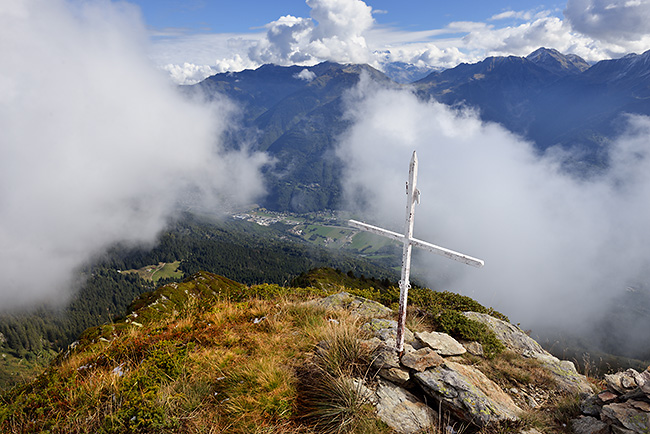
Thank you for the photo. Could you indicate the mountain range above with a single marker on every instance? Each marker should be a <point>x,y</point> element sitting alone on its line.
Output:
<point>551,99</point>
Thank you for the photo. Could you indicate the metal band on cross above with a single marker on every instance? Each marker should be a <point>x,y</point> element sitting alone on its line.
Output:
<point>412,197</point>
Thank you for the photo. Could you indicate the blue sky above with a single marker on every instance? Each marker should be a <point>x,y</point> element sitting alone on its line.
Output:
<point>199,16</point>
<point>197,38</point>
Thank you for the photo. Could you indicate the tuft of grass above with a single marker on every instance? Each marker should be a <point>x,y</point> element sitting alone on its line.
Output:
<point>332,394</point>
<point>565,409</point>
<point>508,369</point>
<point>337,404</point>
<point>340,353</point>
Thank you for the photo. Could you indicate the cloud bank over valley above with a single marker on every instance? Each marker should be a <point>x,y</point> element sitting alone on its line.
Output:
<point>97,146</point>
<point>557,249</point>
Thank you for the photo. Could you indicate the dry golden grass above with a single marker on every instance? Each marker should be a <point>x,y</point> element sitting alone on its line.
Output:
<point>214,360</point>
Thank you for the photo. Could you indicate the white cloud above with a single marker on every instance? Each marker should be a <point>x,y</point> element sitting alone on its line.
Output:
<point>334,32</point>
<point>615,21</point>
<point>188,73</point>
<point>346,20</point>
<point>472,42</point>
<point>305,75</point>
<point>522,15</point>
<point>97,146</point>
<point>285,41</point>
<point>555,248</point>
<point>344,31</point>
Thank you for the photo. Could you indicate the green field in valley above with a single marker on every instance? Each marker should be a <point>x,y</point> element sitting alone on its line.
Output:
<point>164,270</point>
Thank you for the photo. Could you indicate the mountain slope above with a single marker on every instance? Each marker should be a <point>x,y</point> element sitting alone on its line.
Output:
<point>213,355</point>
<point>295,114</point>
<point>550,98</point>
<point>502,88</point>
<point>558,63</point>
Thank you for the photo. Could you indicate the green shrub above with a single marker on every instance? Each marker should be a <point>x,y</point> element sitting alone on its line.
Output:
<point>459,326</point>
<point>139,409</point>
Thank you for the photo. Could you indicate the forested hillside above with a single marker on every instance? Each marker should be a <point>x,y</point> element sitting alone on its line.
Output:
<point>241,250</point>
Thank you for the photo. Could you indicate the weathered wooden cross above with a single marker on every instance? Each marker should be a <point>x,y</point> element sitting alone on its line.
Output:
<point>412,196</point>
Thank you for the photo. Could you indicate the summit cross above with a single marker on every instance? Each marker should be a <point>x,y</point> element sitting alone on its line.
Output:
<point>412,197</point>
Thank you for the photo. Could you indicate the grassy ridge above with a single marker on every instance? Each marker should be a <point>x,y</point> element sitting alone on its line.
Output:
<point>210,355</point>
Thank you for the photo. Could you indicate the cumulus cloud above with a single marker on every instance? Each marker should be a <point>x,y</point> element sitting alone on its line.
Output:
<point>285,41</point>
<point>305,75</point>
<point>97,146</point>
<point>615,21</point>
<point>334,32</point>
<point>189,73</point>
<point>345,31</point>
<point>556,248</point>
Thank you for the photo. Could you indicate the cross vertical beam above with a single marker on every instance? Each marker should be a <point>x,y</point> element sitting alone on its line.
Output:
<point>412,197</point>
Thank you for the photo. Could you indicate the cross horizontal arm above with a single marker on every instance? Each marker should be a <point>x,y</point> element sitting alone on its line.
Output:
<point>418,243</point>
<point>377,230</point>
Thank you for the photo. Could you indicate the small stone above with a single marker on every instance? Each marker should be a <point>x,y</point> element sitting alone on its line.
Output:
<point>640,405</point>
<point>531,402</point>
<point>370,345</point>
<point>629,380</point>
<point>402,411</point>
<point>619,430</point>
<point>627,416</point>
<point>607,396</point>
<point>644,382</point>
<point>385,357</point>
<point>386,330</point>
<point>441,343</point>
<point>622,382</point>
<point>590,405</point>
<point>474,348</point>
<point>589,425</point>
<point>422,359</point>
<point>395,375</point>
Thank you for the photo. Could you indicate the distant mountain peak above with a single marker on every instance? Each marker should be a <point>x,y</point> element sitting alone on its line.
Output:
<point>556,62</point>
<point>402,72</point>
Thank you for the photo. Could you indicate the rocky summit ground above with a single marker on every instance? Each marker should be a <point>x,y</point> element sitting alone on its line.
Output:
<point>210,355</point>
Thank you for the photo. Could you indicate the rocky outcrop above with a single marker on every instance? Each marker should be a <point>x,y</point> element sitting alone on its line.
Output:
<point>403,411</point>
<point>386,330</point>
<point>356,305</point>
<point>510,335</point>
<point>564,372</point>
<point>460,389</point>
<point>622,408</point>
<point>468,393</point>
<point>430,374</point>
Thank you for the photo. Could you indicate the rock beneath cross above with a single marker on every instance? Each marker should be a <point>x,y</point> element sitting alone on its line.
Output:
<point>441,343</point>
<point>402,411</point>
<point>422,359</point>
<point>468,393</point>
